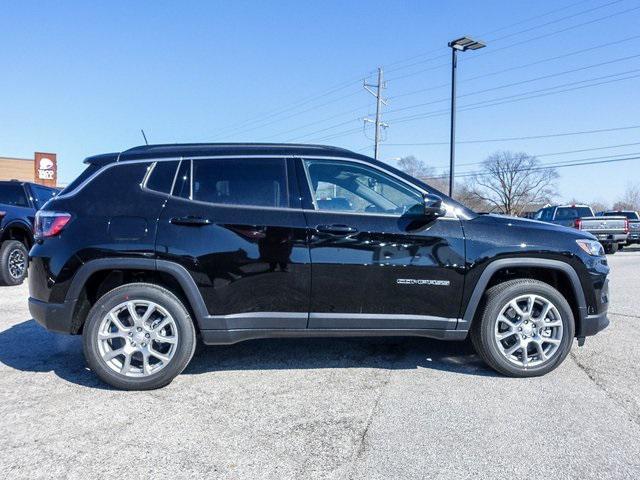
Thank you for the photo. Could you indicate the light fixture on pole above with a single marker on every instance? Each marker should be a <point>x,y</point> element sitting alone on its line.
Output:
<point>459,45</point>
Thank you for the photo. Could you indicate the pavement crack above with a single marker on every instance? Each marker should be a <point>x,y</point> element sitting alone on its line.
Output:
<point>360,447</point>
<point>624,315</point>
<point>591,375</point>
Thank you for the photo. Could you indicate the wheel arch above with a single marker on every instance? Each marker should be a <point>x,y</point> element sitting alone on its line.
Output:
<point>536,268</point>
<point>96,277</point>
<point>18,230</point>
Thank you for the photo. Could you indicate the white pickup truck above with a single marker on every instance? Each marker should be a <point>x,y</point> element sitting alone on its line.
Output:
<point>611,232</point>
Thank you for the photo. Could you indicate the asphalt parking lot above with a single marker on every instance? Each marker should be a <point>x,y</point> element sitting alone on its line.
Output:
<point>325,408</point>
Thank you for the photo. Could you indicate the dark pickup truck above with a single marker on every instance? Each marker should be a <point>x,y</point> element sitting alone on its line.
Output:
<point>611,232</point>
<point>633,220</point>
<point>19,202</point>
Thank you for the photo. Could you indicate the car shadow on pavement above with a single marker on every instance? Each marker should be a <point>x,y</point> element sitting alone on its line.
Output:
<point>29,347</point>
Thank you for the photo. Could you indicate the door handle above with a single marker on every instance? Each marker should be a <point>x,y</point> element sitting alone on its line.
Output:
<point>336,229</point>
<point>190,221</point>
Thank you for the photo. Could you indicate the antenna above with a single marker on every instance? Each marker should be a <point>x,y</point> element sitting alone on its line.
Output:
<point>144,136</point>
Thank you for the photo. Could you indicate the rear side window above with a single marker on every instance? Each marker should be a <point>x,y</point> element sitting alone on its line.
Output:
<point>42,194</point>
<point>182,186</point>
<point>260,182</point>
<point>13,194</point>
<point>161,176</point>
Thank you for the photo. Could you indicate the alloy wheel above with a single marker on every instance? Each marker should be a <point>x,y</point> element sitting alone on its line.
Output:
<point>17,263</point>
<point>528,330</point>
<point>137,338</point>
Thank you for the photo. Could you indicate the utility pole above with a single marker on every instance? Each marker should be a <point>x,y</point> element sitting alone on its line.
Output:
<point>379,124</point>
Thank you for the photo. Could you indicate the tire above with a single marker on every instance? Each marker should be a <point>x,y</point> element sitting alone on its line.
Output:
<point>494,352</point>
<point>611,248</point>
<point>173,343</point>
<point>14,259</point>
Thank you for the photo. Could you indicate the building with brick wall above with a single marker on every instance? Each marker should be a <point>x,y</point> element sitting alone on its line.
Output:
<point>42,169</point>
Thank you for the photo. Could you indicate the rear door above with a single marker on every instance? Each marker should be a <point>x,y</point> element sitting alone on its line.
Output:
<point>376,264</point>
<point>237,227</point>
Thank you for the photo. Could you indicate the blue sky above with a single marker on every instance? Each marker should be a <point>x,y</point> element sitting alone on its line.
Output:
<point>81,78</point>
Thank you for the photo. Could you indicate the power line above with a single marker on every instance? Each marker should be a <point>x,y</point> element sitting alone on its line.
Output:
<point>511,45</point>
<point>530,137</point>
<point>243,126</point>
<point>502,100</point>
<point>521,82</point>
<point>471,93</point>
<point>482,35</point>
<point>517,67</point>
<point>563,164</point>
<point>524,96</point>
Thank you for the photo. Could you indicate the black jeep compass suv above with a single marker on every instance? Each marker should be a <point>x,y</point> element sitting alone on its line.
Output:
<point>153,246</point>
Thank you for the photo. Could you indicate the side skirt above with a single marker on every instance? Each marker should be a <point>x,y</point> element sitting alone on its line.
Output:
<point>226,337</point>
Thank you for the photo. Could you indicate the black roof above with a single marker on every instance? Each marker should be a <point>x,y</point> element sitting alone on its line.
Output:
<point>219,149</point>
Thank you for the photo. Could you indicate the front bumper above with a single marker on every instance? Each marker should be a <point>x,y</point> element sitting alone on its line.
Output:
<point>57,317</point>
<point>592,324</point>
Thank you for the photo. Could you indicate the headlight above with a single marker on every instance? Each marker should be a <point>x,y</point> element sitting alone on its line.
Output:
<point>592,247</point>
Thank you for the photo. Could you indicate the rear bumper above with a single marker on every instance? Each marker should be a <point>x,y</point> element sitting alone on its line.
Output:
<point>610,237</point>
<point>57,317</point>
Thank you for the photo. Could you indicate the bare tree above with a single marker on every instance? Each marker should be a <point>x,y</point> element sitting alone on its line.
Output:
<point>419,169</point>
<point>630,199</point>
<point>510,182</point>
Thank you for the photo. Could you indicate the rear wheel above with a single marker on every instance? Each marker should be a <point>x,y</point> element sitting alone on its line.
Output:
<point>13,262</point>
<point>138,337</point>
<point>526,328</point>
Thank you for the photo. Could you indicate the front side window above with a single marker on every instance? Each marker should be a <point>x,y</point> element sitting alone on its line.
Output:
<point>13,194</point>
<point>349,187</point>
<point>258,182</point>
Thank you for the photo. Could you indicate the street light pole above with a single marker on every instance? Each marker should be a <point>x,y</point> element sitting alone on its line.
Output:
<point>452,144</point>
<point>461,44</point>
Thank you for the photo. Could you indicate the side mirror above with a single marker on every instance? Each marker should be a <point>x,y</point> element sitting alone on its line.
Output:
<point>433,206</point>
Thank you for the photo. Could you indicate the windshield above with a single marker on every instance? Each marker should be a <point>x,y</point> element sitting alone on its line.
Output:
<point>570,213</point>
<point>629,215</point>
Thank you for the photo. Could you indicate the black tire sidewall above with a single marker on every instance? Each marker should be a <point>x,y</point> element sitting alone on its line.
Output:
<point>153,293</point>
<point>6,249</point>
<point>498,300</point>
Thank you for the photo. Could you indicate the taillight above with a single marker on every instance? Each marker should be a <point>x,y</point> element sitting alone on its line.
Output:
<point>577,224</point>
<point>50,224</point>
<point>626,226</point>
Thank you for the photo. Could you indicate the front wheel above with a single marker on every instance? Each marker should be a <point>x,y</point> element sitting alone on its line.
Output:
<point>138,337</point>
<point>526,328</point>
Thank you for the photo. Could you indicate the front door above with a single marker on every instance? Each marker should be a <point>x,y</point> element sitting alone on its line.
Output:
<point>233,223</point>
<point>376,262</point>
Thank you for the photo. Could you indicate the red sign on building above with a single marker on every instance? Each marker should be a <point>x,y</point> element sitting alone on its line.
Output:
<point>46,169</point>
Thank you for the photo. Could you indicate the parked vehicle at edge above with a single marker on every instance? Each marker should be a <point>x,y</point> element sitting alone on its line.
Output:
<point>244,241</point>
<point>611,232</point>
<point>18,204</point>
<point>633,220</point>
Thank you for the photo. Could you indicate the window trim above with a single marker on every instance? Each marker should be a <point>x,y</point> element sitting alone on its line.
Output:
<point>145,180</point>
<point>451,214</point>
<point>240,205</point>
